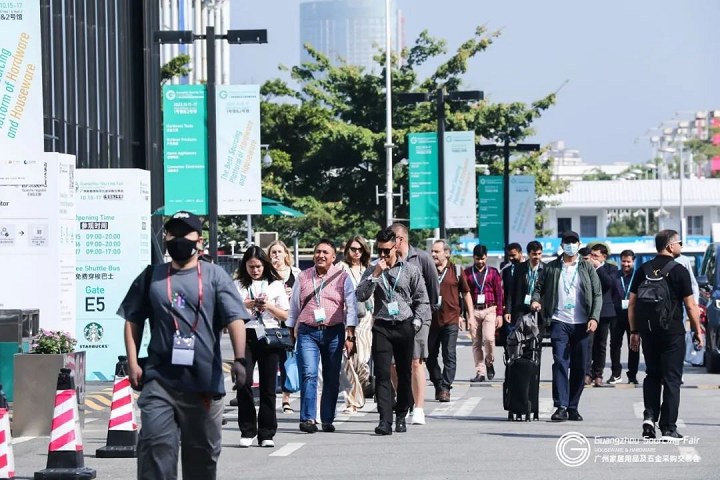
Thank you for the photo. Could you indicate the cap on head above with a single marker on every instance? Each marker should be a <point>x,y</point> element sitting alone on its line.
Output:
<point>570,237</point>
<point>184,222</point>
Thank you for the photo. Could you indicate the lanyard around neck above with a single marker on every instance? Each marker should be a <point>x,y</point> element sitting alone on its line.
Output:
<point>567,287</point>
<point>440,279</point>
<point>532,276</point>
<point>482,288</point>
<point>199,304</point>
<point>316,291</point>
<point>626,291</point>
<point>391,293</point>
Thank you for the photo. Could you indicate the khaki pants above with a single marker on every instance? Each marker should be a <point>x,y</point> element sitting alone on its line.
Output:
<point>483,339</point>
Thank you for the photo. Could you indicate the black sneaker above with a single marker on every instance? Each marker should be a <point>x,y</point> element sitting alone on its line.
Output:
<point>574,415</point>
<point>308,426</point>
<point>400,426</point>
<point>490,372</point>
<point>328,427</point>
<point>648,426</point>
<point>613,380</point>
<point>560,415</point>
<point>671,436</point>
<point>383,428</point>
<point>632,379</point>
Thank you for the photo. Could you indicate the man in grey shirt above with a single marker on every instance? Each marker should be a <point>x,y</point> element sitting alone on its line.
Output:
<point>401,307</point>
<point>188,304</point>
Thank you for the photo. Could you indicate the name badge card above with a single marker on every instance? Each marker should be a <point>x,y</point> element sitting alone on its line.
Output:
<point>393,308</point>
<point>480,299</point>
<point>260,331</point>
<point>319,315</point>
<point>439,300</point>
<point>624,304</point>
<point>183,352</point>
<point>527,299</point>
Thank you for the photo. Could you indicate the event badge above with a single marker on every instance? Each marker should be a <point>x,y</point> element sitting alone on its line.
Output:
<point>624,304</point>
<point>480,299</point>
<point>393,308</point>
<point>527,299</point>
<point>183,352</point>
<point>569,305</point>
<point>319,315</point>
<point>439,300</point>
<point>260,331</point>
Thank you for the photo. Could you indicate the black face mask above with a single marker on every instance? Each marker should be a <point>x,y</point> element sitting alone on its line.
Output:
<point>181,249</point>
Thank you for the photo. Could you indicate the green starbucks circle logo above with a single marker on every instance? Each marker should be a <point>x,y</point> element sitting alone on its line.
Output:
<point>93,332</point>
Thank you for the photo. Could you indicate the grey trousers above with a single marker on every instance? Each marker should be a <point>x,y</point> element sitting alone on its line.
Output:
<point>170,418</point>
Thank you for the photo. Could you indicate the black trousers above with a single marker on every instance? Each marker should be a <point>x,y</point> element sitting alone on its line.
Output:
<point>445,336</point>
<point>620,328</point>
<point>599,347</point>
<point>262,424</point>
<point>393,341</point>
<point>664,356</point>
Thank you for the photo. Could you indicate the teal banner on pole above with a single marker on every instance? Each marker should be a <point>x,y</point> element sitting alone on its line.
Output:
<point>423,176</point>
<point>490,212</point>
<point>185,148</point>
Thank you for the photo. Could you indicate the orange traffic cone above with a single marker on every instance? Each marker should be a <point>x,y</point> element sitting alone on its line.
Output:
<point>7,461</point>
<point>122,434</point>
<point>65,452</point>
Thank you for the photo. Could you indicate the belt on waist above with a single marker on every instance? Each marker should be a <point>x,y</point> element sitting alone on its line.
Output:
<point>322,326</point>
<point>486,305</point>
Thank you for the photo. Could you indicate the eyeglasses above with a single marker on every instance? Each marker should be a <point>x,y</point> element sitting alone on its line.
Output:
<point>679,242</point>
<point>385,251</point>
<point>356,249</point>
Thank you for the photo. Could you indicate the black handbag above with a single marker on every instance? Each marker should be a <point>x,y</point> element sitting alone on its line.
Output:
<point>278,339</point>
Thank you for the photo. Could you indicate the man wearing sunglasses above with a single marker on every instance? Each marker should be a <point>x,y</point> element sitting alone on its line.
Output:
<point>401,307</point>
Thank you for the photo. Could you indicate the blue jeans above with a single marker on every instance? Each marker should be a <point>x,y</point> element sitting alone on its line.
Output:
<point>314,344</point>
<point>570,351</point>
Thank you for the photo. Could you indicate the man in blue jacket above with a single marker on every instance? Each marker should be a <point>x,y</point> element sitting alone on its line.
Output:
<point>570,296</point>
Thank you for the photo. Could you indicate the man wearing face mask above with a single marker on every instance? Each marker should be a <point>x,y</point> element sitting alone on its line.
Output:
<point>188,304</point>
<point>569,294</point>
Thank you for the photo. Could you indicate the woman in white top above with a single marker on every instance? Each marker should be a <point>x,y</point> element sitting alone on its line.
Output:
<point>357,367</point>
<point>282,261</point>
<point>264,296</point>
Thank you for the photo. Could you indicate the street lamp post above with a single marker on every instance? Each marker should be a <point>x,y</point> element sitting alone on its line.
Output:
<point>440,97</point>
<point>506,149</point>
<point>237,37</point>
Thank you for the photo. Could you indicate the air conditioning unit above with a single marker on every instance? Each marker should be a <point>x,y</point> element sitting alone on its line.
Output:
<point>264,239</point>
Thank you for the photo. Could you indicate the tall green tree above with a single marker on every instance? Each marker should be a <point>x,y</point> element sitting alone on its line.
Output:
<point>326,124</point>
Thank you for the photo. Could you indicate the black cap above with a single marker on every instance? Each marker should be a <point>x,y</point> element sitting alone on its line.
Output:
<point>570,237</point>
<point>189,221</point>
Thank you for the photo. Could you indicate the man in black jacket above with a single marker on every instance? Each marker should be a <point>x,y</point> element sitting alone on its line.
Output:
<point>513,257</point>
<point>518,291</point>
<point>607,273</point>
<point>620,327</point>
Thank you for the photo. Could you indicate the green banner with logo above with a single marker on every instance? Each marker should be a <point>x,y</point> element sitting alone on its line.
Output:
<point>491,212</point>
<point>185,148</point>
<point>423,175</point>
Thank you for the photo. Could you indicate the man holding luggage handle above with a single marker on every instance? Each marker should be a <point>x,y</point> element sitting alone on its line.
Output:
<point>569,295</point>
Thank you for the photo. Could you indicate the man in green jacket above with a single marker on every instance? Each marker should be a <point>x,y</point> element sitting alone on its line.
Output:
<point>570,296</point>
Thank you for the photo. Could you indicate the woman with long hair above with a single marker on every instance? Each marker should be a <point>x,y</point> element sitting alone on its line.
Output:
<point>357,367</point>
<point>263,293</point>
<point>283,262</point>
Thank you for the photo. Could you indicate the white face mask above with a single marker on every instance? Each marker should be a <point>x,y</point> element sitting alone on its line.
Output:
<point>571,249</point>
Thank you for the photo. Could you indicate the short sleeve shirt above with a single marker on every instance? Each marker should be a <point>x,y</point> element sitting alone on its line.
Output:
<point>175,294</point>
<point>275,292</point>
<point>451,287</point>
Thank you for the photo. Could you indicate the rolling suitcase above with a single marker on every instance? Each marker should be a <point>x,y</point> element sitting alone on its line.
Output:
<point>521,387</point>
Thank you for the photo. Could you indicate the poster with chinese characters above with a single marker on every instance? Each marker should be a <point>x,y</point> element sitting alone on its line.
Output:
<point>112,243</point>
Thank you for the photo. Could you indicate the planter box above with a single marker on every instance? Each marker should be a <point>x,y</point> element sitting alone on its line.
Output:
<point>35,385</point>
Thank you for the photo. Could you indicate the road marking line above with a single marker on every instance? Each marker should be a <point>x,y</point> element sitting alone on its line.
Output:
<point>287,450</point>
<point>467,407</point>
<point>689,453</point>
<point>680,423</point>
<point>100,398</point>
<point>441,411</point>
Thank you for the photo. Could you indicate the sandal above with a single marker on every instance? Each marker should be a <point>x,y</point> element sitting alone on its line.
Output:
<point>350,410</point>
<point>286,408</point>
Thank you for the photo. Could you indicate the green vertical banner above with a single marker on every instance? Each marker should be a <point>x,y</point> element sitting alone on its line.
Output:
<point>423,173</point>
<point>491,212</point>
<point>185,148</point>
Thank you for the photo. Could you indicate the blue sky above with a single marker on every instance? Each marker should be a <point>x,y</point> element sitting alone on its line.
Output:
<point>630,65</point>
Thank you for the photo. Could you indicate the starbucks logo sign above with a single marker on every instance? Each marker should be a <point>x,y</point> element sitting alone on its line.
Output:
<point>93,332</point>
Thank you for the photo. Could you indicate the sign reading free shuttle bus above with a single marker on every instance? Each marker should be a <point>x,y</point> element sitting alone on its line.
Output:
<point>21,103</point>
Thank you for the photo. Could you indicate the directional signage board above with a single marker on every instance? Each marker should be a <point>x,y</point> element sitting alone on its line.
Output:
<point>423,173</point>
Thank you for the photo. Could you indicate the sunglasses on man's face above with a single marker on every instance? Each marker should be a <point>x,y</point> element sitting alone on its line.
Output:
<point>385,251</point>
<point>679,242</point>
<point>356,249</point>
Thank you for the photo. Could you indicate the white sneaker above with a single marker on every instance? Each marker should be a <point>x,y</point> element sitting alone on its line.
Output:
<point>418,417</point>
<point>267,443</point>
<point>245,442</point>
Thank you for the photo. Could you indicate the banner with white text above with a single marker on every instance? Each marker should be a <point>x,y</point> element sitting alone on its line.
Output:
<point>459,169</point>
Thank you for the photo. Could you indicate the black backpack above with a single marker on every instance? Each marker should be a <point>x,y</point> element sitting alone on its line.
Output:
<point>654,300</point>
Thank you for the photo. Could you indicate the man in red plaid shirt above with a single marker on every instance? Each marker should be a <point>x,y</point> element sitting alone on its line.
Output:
<point>487,294</point>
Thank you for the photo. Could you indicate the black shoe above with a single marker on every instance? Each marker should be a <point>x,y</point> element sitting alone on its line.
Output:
<point>308,426</point>
<point>648,426</point>
<point>632,379</point>
<point>560,415</point>
<point>233,402</point>
<point>478,378</point>
<point>670,436</point>
<point>444,396</point>
<point>383,428</point>
<point>400,426</point>
<point>490,372</point>
<point>574,415</point>
<point>328,427</point>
